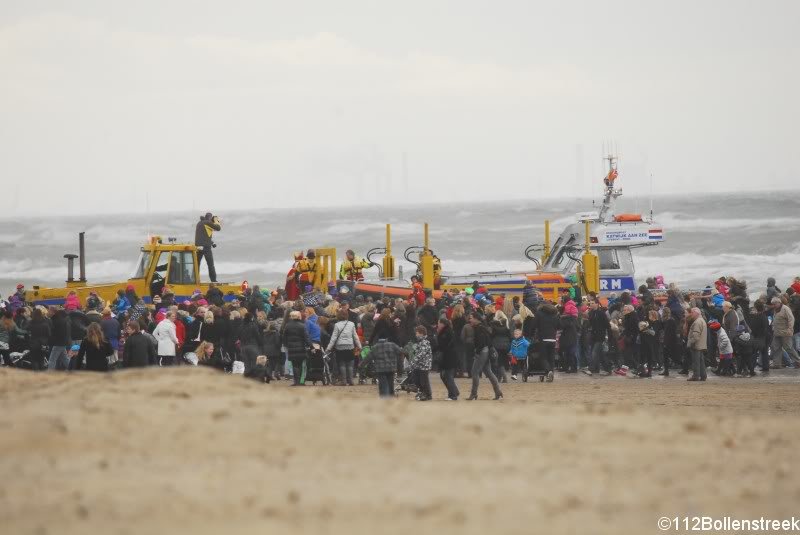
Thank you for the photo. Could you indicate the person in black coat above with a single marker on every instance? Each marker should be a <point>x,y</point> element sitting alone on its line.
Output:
<point>95,349</point>
<point>759,334</point>
<point>60,340</point>
<point>547,324</point>
<point>569,342</point>
<point>672,340</point>
<point>251,341</point>
<point>295,339</point>
<point>214,295</point>
<point>384,328</point>
<point>202,239</point>
<point>272,349</point>
<point>449,362</point>
<point>630,335</point>
<point>40,329</point>
<point>501,341</point>
<point>138,351</point>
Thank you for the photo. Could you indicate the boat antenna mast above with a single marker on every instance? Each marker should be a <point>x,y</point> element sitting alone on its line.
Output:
<point>610,192</point>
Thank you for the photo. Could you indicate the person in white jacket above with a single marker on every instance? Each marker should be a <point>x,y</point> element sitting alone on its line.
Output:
<point>167,338</point>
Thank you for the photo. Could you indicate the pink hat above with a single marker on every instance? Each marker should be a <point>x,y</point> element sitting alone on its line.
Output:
<point>202,302</point>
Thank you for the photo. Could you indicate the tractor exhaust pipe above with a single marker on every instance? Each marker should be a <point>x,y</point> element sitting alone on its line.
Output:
<point>82,253</point>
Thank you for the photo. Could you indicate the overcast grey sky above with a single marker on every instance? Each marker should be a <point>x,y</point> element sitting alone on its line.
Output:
<point>251,104</point>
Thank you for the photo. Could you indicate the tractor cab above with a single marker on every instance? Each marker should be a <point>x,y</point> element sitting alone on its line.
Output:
<point>170,264</point>
<point>160,264</point>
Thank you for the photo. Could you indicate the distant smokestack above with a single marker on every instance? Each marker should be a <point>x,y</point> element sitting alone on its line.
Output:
<point>82,253</point>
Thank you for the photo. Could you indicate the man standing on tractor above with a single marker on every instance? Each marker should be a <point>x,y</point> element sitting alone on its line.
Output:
<point>202,239</point>
<point>352,267</point>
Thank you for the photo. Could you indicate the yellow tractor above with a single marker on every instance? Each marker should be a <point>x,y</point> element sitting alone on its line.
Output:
<point>171,264</point>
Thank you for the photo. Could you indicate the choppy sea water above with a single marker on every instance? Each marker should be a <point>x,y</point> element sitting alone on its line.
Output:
<point>750,236</point>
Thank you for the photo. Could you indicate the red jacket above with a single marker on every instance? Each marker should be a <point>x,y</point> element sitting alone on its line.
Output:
<point>180,331</point>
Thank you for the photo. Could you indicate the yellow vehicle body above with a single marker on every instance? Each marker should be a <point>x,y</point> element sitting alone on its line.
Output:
<point>171,264</point>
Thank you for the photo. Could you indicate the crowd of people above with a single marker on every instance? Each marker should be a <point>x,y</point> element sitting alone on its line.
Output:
<point>471,333</point>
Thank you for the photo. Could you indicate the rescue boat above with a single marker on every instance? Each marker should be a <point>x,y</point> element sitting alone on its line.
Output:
<point>596,251</point>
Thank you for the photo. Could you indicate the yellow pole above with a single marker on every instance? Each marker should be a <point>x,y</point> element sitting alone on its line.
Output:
<point>546,254</point>
<point>586,232</point>
<point>426,263</point>
<point>388,259</point>
<point>591,265</point>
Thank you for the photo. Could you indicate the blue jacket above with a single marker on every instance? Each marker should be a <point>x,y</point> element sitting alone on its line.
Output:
<point>519,348</point>
<point>314,332</point>
<point>122,305</point>
<point>675,307</point>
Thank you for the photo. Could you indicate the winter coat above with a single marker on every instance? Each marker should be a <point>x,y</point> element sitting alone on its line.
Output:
<point>599,325</point>
<point>384,355</point>
<point>96,357</point>
<point>759,325</point>
<point>427,316</point>
<point>72,302</point>
<point>723,342</point>
<point>671,337</point>
<point>445,341</point>
<point>519,348</point>
<point>344,337</point>
<point>783,322</point>
<point>41,333</point>
<point>215,297</point>
<point>137,310</point>
<point>272,344</point>
<point>314,332</point>
<point>530,298</point>
<point>139,351</point>
<point>367,326</point>
<point>547,322</point>
<point>730,321</point>
<point>211,332</point>
<point>111,331</point>
<point>295,339</point>
<point>383,329</point>
<point>675,307</point>
<point>16,301</point>
<point>501,337</point>
<point>79,323</point>
<point>60,334</point>
<point>204,230</point>
<point>569,331</point>
<point>630,326</point>
<point>167,338</point>
<point>423,357</point>
<point>250,335</point>
<point>698,335</point>
<point>482,337</point>
<point>122,305</point>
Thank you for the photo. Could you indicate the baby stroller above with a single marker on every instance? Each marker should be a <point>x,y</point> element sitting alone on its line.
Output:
<point>536,365</point>
<point>367,372</point>
<point>406,384</point>
<point>318,369</point>
<point>22,360</point>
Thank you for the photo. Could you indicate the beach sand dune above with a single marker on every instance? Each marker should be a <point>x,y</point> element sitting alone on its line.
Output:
<point>193,451</point>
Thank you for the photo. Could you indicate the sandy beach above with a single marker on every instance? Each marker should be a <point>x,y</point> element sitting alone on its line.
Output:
<point>192,451</point>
